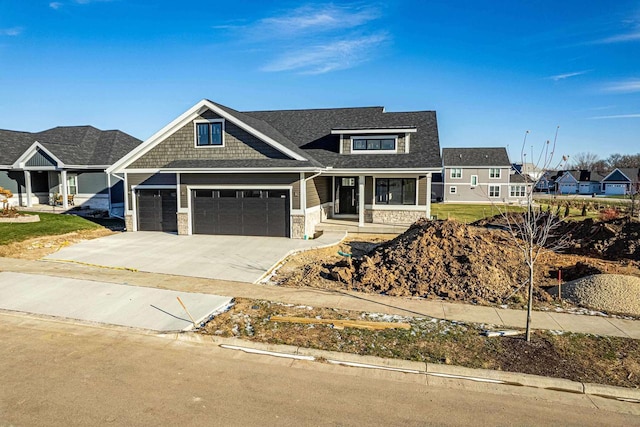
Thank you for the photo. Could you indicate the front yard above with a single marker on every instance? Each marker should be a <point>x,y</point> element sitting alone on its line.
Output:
<point>49,225</point>
<point>37,239</point>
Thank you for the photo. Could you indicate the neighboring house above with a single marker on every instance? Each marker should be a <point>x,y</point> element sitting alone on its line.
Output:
<point>215,170</point>
<point>547,181</point>
<point>578,182</point>
<point>621,181</point>
<point>528,169</point>
<point>567,182</point>
<point>64,165</point>
<point>473,175</point>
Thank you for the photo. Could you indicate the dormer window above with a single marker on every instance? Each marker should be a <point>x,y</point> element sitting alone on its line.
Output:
<point>374,144</point>
<point>209,133</point>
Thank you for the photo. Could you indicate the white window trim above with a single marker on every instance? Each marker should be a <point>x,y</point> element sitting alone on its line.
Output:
<point>453,190</point>
<point>70,175</point>
<point>451,173</point>
<point>521,190</point>
<point>496,196</point>
<point>195,132</point>
<point>474,180</point>
<point>394,137</point>
<point>499,173</point>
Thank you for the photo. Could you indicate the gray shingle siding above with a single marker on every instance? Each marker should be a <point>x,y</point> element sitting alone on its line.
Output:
<point>238,144</point>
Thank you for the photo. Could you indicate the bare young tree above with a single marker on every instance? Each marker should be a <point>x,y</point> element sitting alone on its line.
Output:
<point>585,161</point>
<point>533,230</point>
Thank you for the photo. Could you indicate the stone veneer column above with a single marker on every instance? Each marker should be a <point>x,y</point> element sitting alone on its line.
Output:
<point>128,222</point>
<point>183,223</point>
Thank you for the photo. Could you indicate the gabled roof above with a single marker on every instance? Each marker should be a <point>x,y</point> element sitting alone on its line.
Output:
<point>481,157</point>
<point>306,137</point>
<point>71,145</point>
<point>570,175</point>
<point>623,175</point>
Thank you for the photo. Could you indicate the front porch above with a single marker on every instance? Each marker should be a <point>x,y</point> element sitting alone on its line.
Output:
<point>353,226</point>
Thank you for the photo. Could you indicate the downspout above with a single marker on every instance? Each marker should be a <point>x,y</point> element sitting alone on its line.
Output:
<point>303,201</point>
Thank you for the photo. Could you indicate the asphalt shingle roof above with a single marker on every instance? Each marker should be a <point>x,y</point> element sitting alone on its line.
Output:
<point>73,145</point>
<point>483,156</point>
<point>310,131</point>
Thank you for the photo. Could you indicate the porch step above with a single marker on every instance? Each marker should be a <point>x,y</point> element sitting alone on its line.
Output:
<point>369,228</point>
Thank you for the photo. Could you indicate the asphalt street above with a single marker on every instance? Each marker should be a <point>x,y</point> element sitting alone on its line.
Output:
<point>60,374</point>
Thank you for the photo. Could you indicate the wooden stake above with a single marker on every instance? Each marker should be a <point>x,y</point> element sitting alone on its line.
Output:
<point>560,284</point>
<point>189,314</point>
<point>341,324</point>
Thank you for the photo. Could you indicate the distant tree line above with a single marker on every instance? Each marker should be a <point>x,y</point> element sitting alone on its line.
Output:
<point>592,162</point>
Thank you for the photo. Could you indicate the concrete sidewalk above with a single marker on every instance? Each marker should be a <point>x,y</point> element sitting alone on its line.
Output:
<point>109,303</point>
<point>337,299</point>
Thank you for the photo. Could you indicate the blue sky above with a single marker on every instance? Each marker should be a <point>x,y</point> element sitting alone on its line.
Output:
<point>491,69</point>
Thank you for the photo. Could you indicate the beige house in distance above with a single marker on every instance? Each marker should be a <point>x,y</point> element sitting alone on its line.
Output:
<point>481,175</point>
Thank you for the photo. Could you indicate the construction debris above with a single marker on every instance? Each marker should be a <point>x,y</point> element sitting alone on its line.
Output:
<point>342,323</point>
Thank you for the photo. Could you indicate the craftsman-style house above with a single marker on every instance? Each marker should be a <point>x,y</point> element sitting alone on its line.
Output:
<point>63,166</point>
<point>215,170</point>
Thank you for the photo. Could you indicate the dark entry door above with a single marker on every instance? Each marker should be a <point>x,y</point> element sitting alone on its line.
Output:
<point>241,212</point>
<point>347,195</point>
<point>157,210</point>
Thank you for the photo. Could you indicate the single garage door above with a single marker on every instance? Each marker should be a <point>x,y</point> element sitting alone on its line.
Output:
<point>157,210</point>
<point>241,212</point>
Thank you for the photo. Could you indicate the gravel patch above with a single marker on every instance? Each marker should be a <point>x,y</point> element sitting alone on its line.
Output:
<point>613,293</point>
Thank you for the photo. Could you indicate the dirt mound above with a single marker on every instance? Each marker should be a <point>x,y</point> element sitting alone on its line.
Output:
<point>615,239</point>
<point>444,259</point>
<point>613,293</point>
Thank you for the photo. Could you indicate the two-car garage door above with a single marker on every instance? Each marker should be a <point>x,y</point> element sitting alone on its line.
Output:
<point>241,212</point>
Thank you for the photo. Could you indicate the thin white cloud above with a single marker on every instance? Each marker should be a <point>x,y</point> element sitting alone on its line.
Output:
<point>313,39</point>
<point>617,116</point>
<point>316,18</point>
<point>332,56</point>
<point>559,77</point>
<point>12,32</point>
<point>621,38</point>
<point>55,5</point>
<point>628,86</point>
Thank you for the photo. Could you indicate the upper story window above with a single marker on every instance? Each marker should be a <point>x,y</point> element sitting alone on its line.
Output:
<point>376,144</point>
<point>209,134</point>
<point>494,173</point>
<point>456,173</point>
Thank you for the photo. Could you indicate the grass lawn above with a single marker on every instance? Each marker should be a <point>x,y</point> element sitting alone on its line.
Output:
<point>49,225</point>
<point>468,212</point>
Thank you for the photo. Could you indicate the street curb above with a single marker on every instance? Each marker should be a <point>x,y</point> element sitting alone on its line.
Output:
<point>420,368</point>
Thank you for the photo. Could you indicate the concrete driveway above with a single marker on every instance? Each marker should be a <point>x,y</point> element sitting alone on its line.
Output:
<point>237,258</point>
<point>101,302</point>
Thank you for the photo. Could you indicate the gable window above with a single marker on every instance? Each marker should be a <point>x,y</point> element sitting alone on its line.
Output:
<point>494,191</point>
<point>456,173</point>
<point>374,143</point>
<point>453,190</point>
<point>209,134</point>
<point>396,191</point>
<point>494,173</point>
<point>517,191</point>
<point>474,180</point>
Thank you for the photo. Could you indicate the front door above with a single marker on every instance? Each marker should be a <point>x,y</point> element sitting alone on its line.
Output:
<point>346,202</point>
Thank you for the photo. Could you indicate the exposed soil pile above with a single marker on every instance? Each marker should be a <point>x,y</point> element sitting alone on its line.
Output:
<point>444,259</point>
<point>612,293</point>
<point>615,239</point>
